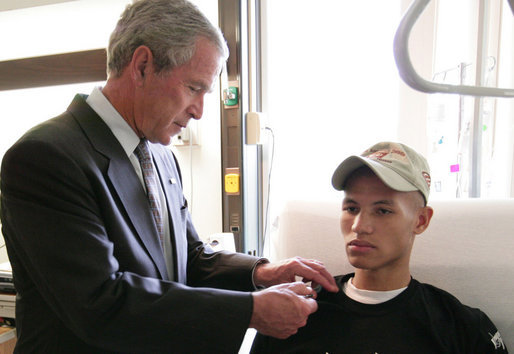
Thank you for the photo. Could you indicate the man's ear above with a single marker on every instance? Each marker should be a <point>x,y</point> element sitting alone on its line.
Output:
<point>141,64</point>
<point>423,219</point>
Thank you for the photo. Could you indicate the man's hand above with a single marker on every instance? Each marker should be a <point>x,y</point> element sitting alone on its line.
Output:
<point>280,310</point>
<point>268,274</point>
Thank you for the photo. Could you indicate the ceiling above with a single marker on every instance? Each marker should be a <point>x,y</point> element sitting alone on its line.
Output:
<point>6,5</point>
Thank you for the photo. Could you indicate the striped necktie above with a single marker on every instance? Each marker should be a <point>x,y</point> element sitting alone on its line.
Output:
<point>151,179</point>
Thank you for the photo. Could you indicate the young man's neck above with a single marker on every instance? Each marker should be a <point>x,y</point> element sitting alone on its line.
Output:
<point>381,280</point>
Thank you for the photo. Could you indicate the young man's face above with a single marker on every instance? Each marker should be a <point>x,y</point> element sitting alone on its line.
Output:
<point>378,223</point>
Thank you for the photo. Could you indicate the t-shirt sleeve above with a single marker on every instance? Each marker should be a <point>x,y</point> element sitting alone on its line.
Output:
<point>489,338</point>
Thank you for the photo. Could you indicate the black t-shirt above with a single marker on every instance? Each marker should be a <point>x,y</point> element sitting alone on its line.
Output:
<point>421,319</point>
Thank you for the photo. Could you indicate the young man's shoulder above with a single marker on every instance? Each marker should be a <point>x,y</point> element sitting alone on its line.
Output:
<point>467,321</point>
<point>440,298</point>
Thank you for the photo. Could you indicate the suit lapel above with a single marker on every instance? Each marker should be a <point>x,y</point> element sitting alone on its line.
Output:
<point>123,178</point>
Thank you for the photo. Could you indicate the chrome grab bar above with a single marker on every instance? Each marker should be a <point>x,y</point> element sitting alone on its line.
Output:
<point>411,77</point>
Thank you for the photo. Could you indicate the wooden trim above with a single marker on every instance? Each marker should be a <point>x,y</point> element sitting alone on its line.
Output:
<point>58,69</point>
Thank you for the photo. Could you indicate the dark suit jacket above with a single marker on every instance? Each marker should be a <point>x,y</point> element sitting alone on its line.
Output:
<point>87,264</point>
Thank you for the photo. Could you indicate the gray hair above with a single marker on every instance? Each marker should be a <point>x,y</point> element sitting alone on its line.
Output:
<point>169,28</point>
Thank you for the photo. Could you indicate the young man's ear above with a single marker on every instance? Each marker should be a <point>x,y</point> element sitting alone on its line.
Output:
<point>424,216</point>
<point>140,64</point>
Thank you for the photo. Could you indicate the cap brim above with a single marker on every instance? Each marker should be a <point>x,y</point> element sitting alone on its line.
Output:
<point>387,175</point>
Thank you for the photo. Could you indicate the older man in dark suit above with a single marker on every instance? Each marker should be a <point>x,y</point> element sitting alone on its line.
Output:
<point>104,254</point>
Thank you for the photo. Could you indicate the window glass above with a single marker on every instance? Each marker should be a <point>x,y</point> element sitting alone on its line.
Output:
<point>470,138</point>
<point>330,88</point>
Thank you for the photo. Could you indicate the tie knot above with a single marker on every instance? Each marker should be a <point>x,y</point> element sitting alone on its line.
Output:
<point>142,152</point>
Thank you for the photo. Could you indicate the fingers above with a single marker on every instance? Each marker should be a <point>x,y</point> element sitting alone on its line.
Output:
<point>314,271</point>
<point>287,270</point>
<point>300,289</point>
<point>280,310</point>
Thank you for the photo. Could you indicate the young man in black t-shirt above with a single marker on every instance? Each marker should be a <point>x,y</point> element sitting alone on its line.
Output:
<point>380,308</point>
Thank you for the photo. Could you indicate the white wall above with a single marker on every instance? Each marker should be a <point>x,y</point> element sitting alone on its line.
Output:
<point>412,104</point>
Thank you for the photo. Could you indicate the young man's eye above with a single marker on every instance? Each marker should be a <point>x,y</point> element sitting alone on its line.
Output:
<point>384,211</point>
<point>350,209</point>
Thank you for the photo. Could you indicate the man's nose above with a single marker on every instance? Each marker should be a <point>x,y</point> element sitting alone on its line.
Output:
<point>196,109</point>
<point>362,224</point>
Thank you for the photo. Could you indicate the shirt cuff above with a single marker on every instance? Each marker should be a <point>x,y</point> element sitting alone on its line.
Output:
<point>260,261</point>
